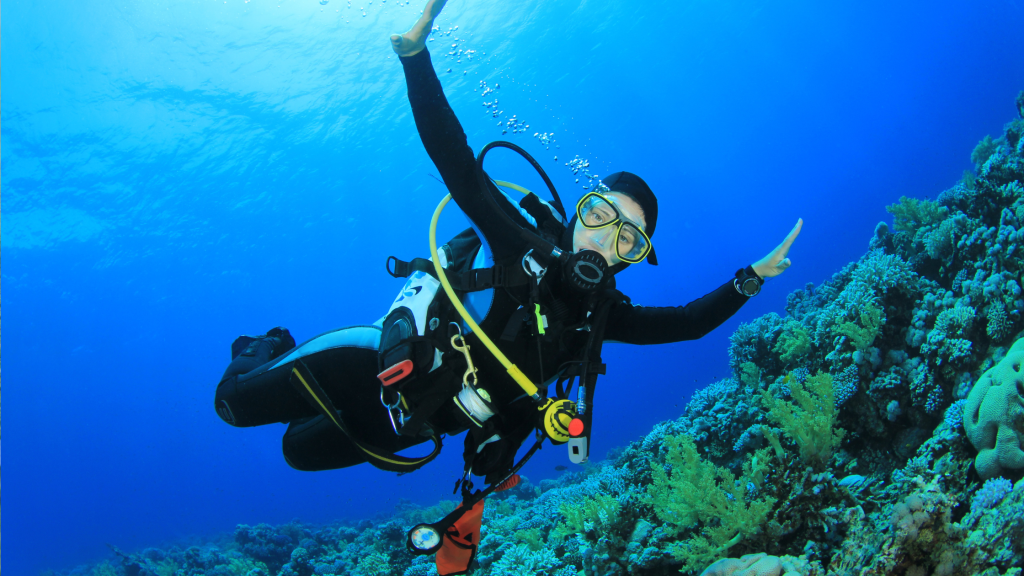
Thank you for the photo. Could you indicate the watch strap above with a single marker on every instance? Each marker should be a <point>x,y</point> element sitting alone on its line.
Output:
<point>743,275</point>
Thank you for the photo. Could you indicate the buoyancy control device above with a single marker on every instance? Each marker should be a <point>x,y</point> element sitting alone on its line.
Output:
<point>423,334</point>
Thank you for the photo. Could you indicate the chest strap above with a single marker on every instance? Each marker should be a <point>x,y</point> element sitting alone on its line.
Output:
<point>473,280</point>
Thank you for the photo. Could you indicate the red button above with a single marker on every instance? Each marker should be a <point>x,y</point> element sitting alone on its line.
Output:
<point>575,427</point>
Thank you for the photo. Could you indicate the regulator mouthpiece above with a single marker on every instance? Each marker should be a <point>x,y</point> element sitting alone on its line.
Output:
<point>586,271</point>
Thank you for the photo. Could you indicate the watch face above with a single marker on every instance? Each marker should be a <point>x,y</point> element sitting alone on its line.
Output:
<point>750,286</point>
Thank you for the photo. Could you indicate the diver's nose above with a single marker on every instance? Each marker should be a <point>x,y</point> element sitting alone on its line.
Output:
<point>601,237</point>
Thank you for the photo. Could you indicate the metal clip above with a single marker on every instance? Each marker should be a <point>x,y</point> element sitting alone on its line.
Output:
<point>392,408</point>
<point>459,343</point>
<point>528,265</point>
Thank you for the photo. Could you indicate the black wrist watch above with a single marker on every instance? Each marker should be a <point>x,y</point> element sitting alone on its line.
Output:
<point>747,282</point>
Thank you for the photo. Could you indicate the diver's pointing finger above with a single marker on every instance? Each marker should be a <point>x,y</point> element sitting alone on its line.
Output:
<point>434,7</point>
<point>792,235</point>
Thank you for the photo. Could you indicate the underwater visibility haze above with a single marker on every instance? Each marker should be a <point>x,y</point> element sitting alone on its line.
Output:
<point>175,174</point>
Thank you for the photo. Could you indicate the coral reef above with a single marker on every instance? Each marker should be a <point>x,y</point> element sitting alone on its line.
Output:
<point>875,429</point>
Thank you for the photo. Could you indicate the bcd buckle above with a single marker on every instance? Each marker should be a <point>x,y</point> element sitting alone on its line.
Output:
<point>395,373</point>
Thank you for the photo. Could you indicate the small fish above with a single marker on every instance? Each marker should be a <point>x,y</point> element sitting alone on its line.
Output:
<point>561,468</point>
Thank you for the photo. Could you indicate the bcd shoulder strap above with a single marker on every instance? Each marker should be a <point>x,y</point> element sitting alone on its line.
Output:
<point>547,222</point>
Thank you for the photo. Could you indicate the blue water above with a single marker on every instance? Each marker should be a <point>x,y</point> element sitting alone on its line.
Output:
<point>177,173</point>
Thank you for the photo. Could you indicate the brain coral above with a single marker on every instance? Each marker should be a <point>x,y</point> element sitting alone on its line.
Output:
<point>994,415</point>
<point>749,565</point>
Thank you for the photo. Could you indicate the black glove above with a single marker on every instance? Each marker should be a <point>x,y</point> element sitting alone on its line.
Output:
<point>279,338</point>
<point>496,459</point>
<point>282,340</point>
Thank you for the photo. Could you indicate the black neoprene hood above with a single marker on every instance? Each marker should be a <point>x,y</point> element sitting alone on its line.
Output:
<point>634,186</point>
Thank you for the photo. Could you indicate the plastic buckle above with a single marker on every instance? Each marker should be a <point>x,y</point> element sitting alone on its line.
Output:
<point>578,450</point>
<point>395,373</point>
<point>498,275</point>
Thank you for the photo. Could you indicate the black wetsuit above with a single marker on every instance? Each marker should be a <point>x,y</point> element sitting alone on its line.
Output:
<point>258,392</point>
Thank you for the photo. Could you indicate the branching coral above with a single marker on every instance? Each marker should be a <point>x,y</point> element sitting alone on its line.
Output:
<point>793,344</point>
<point>911,214</point>
<point>521,560</point>
<point>753,341</point>
<point>810,421</point>
<point>882,272</point>
<point>862,334</point>
<point>597,512</point>
<point>983,151</point>
<point>696,493</point>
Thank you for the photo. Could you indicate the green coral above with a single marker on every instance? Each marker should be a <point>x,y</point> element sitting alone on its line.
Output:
<point>374,564</point>
<point>520,560</point>
<point>863,334</point>
<point>984,150</point>
<point>794,342</point>
<point>531,538</point>
<point>911,214</point>
<point>750,375</point>
<point>582,517</point>
<point>697,493</point>
<point>236,566</point>
<point>810,422</point>
<point>168,567</point>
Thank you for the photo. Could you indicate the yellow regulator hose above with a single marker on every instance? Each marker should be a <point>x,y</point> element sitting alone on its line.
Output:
<point>512,369</point>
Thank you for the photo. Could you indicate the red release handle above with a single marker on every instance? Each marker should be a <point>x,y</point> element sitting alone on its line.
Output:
<point>395,373</point>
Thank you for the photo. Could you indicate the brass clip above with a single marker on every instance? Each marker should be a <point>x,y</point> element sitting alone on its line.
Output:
<point>469,378</point>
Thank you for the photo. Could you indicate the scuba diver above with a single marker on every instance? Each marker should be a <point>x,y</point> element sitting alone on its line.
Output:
<point>479,333</point>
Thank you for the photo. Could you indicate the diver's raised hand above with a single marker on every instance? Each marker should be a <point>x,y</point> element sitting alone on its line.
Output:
<point>413,41</point>
<point>777,261</point>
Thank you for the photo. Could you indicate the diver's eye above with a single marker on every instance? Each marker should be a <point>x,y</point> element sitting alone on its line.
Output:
<point>597,217</point>
<point>627,236</point>
<point>604,214</point>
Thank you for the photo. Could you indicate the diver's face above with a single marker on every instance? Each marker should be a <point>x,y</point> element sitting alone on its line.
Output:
<point>602,240</point>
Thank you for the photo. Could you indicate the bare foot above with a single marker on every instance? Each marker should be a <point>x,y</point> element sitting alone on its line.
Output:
<point>413,41</point>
